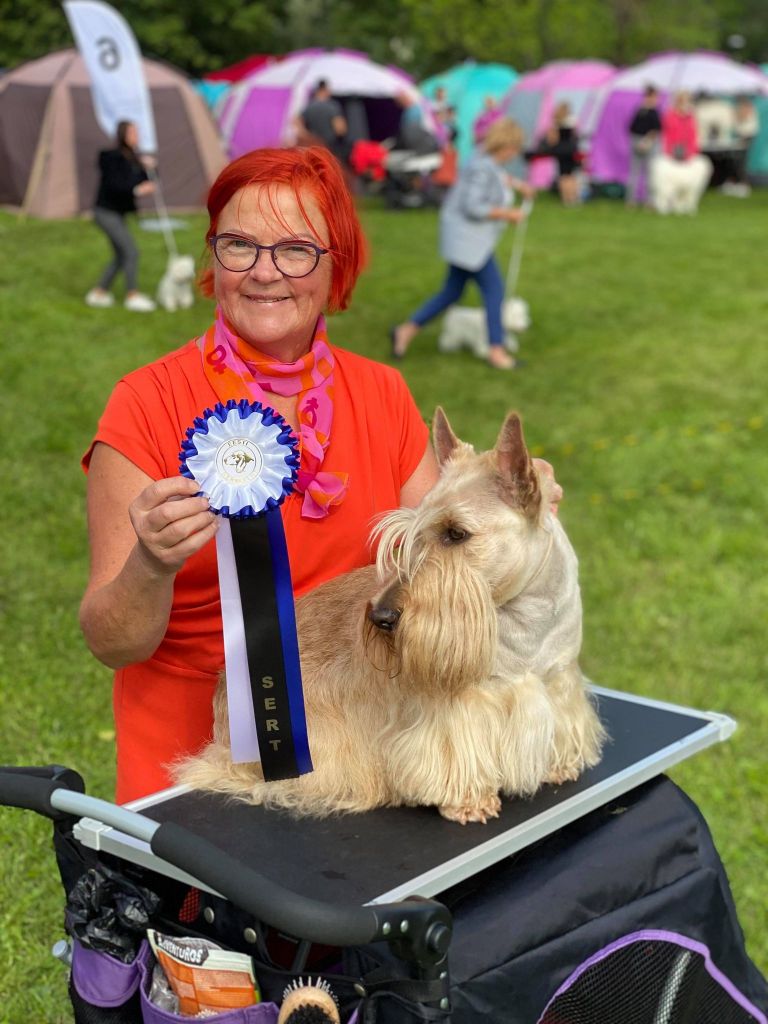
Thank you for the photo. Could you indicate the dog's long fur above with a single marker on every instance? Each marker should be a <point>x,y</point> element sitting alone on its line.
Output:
<point>676,186</point>
<point>476,691</point>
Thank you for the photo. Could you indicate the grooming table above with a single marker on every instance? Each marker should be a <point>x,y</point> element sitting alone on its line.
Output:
<point>392,853</point>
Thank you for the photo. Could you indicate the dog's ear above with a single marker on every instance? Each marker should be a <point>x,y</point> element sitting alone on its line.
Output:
<point>519,480</point>
<point>443,437</point>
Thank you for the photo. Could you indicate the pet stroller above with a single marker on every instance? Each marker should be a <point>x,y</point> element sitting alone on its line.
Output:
<point>598,901</point>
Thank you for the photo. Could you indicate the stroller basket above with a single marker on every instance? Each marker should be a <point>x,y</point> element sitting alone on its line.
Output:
<point>418,931</point>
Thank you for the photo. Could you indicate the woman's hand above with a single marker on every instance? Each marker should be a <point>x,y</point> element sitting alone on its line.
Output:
<point>144,188</point>
<point>171,524</point>
<point>546,469</point>
<point>515,214</point>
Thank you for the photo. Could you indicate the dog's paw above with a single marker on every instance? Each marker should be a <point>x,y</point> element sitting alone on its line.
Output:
<point>560,775</point>
<point>480,812</point>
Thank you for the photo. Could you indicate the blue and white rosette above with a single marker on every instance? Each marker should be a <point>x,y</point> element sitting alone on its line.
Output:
<point>244,457</point>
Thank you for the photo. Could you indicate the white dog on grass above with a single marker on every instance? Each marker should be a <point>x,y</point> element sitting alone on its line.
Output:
<point>676,186</point>
<point>467,327</point>
<point>175,288</point>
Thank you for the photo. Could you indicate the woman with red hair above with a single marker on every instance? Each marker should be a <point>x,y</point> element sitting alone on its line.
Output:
<point>285,247</point>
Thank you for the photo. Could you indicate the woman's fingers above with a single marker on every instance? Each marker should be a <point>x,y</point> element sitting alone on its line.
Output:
<point>171,522</point>
<point>545,468</point>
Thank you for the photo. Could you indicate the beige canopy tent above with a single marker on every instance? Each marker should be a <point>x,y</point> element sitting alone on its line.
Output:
<point>49,138</point>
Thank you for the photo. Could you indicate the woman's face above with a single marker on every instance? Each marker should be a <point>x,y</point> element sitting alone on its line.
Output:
<point>274,313</point>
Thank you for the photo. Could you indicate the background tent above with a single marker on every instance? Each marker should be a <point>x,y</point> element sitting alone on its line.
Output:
<point>466,88</point>
<point>533,98</point>
<point>49,137</point>
<point>216,85</point>
<point>757,161</point>
<point>711,73</point>
<point>260,110</point>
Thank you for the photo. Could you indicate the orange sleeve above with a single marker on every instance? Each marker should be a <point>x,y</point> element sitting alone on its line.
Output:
<point>132,423</point>
<point>413,433</point>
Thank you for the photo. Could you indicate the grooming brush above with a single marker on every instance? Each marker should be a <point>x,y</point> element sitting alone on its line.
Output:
<point>308,1002</point>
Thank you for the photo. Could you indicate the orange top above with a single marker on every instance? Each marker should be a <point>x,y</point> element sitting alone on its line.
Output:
<point>162,706</point>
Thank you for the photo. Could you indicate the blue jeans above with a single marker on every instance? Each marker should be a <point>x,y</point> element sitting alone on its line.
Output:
<point>488,280</point>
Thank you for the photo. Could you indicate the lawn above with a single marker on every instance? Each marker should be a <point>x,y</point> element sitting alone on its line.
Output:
<point>644,385</point>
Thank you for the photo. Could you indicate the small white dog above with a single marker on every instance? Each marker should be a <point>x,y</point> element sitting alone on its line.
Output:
<point>467,327</point>
<point>175,288</point>
<point>676,186</point>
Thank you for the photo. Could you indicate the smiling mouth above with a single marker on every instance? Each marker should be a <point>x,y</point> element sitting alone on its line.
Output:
<point>267,300</point>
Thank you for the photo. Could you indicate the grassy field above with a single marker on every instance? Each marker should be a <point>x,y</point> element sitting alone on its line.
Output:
<point>644,386</point>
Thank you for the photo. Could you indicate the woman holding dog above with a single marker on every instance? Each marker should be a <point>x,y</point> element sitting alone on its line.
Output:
<point>286,246</point>
<point>122,178</point>
<point>473,217</point>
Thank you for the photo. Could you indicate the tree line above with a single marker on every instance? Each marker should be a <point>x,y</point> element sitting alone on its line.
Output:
<point>421,36</point>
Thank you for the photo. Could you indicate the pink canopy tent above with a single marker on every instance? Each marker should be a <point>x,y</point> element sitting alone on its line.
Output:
<point>699,72</point>
<point>261,109</point>
<point>533,98</point>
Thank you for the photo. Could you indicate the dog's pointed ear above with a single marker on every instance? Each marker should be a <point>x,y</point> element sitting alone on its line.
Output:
<point>519,480</point>
<point>443,437</point>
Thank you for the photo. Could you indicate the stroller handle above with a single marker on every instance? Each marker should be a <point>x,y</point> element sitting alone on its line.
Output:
<point>422,927</point>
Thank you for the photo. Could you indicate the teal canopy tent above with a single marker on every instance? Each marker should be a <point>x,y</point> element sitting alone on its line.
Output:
<point>757,160</point>
<point>466,88</point>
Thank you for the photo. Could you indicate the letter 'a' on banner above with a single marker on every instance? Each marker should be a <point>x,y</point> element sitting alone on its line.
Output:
<point>113,59</point>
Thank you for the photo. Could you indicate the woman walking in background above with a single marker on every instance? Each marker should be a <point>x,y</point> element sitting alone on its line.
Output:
<point>123,177</point>
<point>472,219</point>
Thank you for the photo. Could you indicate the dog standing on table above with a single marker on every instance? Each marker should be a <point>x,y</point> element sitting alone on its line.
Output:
<point>467,327</point>
<point>448,673</point>
<point>175,288</point>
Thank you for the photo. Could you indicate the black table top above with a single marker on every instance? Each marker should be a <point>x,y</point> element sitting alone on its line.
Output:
<point>362,858</point>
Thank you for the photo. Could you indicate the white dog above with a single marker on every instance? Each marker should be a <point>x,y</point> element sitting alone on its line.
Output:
<point>175,288</point>
<point>676,186</point>
<point>467,327</point>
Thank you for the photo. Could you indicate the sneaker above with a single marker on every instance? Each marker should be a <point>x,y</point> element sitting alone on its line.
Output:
<point>99,298</point>
<point>139,303</point>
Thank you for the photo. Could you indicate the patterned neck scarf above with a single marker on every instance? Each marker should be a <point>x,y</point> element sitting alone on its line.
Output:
<point>237,370</point>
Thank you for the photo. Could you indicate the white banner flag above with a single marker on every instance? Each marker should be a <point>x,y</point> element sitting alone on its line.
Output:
<point>113,59</point>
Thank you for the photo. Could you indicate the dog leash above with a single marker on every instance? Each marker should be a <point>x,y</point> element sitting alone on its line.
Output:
<point>517,249</point>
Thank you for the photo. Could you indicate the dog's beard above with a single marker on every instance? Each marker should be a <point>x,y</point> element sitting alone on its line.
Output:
<point>445,600</point>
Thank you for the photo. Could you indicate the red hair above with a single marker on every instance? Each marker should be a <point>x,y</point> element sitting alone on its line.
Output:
<point>311,170</point>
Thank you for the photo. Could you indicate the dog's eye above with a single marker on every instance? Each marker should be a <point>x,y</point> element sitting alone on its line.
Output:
<point>455,535</point>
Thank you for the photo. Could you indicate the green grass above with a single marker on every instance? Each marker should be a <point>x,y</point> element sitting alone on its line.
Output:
<point>644,386</point>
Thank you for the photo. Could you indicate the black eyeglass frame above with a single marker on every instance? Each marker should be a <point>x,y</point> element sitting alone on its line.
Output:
<point>319,251</point>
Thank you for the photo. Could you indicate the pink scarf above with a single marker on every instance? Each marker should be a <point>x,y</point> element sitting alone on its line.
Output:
<point>237,370</point>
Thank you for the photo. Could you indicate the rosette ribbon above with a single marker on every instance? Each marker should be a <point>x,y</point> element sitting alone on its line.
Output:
<point>245,460</point>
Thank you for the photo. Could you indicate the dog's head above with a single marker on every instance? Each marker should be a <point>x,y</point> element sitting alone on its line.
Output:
<point>515,315</point>
<point>468,548</point>
<point>181,268</point>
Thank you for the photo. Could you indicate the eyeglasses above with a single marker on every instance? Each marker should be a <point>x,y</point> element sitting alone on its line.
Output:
<point>293,259</point>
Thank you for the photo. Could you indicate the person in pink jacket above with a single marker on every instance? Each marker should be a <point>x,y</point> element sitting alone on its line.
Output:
<point>678,128</point>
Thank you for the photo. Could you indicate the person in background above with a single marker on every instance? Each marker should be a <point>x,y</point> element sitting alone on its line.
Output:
<point>644,135</point>
<point>123,177</point>
<point>562,143</point>
<point>472,219</point>
<point>491,112</point>
<point>324,121</point>
<point>745,127</point>
<point>678,128</point>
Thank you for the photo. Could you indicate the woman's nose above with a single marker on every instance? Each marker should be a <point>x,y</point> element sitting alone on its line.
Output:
<point>264,268</point>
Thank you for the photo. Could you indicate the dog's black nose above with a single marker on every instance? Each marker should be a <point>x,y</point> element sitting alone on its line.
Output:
<point>384,618</point>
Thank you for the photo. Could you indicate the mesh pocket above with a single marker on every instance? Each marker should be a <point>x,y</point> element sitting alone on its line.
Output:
<point>650,977</point>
